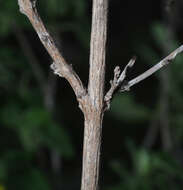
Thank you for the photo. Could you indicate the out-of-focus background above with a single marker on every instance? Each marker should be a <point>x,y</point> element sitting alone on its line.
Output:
<point>41,126</point>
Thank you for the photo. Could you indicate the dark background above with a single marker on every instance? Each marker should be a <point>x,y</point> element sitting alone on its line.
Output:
<point>41,126</point>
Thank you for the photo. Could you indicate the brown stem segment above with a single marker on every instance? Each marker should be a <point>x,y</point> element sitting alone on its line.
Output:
<point>60,66</point>
<point>91,150</point>
<point>94,107</point>
<point>97,52</point>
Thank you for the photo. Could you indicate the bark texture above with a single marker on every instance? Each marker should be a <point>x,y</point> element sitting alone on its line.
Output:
<point>91,149</point>
<point>93,111</point>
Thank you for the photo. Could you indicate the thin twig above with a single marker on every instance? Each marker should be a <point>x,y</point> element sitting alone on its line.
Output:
<point>164,62</point>
<point>28,7</point>
<point>117,81</point>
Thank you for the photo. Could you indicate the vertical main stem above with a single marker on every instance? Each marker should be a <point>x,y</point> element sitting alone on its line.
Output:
<point>97,52</point>
<point>93,109</point>
<point>91,151</point>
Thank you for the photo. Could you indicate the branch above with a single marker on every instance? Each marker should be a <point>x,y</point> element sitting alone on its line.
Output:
<point>60,66</point>
<point>162,63</point>
<point>117,82</point>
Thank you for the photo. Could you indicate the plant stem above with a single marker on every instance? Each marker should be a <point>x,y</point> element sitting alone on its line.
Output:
<point>94,108</point>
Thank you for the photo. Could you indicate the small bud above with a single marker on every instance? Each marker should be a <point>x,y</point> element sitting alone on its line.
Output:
<point>55,69</point>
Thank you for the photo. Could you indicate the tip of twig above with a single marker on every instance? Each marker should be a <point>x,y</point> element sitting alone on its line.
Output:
<point>132,61</point>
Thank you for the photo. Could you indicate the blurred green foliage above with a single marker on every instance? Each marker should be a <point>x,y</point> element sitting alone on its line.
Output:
<point>149,170</point>
<point>133,112</point>
<point>9,14</point>
<point>35,129</point>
